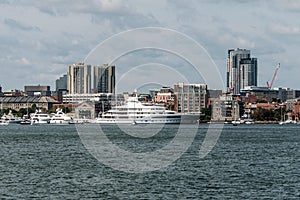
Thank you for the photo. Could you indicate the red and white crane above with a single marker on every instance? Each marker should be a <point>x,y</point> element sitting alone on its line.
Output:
<point>274,76</point>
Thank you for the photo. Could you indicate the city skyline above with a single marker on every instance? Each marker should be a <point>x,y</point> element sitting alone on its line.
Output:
<point>38,46</point>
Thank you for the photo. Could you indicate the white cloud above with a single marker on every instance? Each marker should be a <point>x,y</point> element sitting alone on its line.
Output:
<point>282,29</point>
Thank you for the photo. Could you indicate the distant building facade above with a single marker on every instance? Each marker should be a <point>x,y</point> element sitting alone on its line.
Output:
<point>37,90</point>
<point>1,94</point>
<point>264,93</point>
<point>153,93</point>
<point>165,95</point>
<point>79,79</point>
<point>293,94</point>
<point>62,83</point>
<point>190,98</point>
<point>13,93</point>
<point>241,70</point>
<point>104,79</point>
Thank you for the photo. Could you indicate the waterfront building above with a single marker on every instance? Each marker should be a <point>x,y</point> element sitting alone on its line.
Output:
<point>79,98</point>
<point>104,79</point>
<point>79,79</point>
<point>16,103</point>
<point>37,90</point>
<point>101,102</point>
<point>296,110</point>
<point>225,108</point>
<point>165,94</point>
<point>85,110</point>
<point>165,97</point>
<point>241,70</point>
<point>190,98</point>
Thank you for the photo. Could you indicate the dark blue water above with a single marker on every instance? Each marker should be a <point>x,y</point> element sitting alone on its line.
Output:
<point>248,162</point>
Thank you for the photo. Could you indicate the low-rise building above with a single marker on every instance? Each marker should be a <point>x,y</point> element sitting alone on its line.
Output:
<point>85,110</point>
<point>225,108</point>
<point>190,98</point>
<point>13,93</point>
<point>16,103</point>
<point>261,93</point>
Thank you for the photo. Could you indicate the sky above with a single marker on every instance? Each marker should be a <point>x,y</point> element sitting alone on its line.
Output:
<point>39,39</point>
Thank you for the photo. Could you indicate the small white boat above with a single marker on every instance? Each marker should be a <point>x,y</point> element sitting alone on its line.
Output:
<point>236,122</point>
<point>289,121</point>
<point>60,118</point>
<point>10,118</point>
<point>25,122</point>
<point>248,122</point>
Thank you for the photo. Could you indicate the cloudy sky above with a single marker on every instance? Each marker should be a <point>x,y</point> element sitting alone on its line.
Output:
<point>39,39</point>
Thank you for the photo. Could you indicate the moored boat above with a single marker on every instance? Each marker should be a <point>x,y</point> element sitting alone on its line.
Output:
<point>10,118</point>
<point>134,112</point>
<point>3,122</point>
<point>40,118</point>
<point>60,118</point>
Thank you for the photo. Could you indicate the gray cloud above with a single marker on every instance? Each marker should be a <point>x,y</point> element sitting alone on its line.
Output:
<point>20,26</point>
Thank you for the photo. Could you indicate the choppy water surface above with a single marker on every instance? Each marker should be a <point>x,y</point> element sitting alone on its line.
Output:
<point>249,161</point>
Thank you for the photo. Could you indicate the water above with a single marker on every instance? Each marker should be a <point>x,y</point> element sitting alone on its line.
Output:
<point>248,162</point>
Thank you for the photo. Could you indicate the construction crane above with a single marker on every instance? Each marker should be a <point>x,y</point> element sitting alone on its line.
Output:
<point>274,76</point>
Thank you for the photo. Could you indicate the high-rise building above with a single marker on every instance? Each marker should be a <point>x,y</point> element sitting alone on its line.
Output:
<point>79,79</point>
<point>190,98</point>
<point>241,70</point>
<point>104,79</point>
<point>62,83</point>
<point>61,87</point>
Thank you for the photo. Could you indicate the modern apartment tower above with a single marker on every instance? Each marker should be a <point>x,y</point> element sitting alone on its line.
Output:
<point>104,79</point>
<point>79,79</point>
<point>241,70</point>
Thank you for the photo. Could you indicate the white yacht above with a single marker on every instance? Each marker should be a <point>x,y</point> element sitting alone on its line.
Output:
<point>3,122</point>
<point>40,118</point>
<point>10,118</point>
<point>134,112</point>
<point>60,118</point>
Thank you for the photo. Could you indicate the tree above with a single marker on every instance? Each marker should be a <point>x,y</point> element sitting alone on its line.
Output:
<point>33,107</point>
<point>207,113</point>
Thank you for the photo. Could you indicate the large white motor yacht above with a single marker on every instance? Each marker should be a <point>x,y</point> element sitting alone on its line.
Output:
<point>40,118</point>
<point>60,118</point>
<point>134,112</point>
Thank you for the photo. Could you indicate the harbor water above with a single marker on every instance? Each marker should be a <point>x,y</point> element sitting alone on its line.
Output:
<point>247,162</point>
